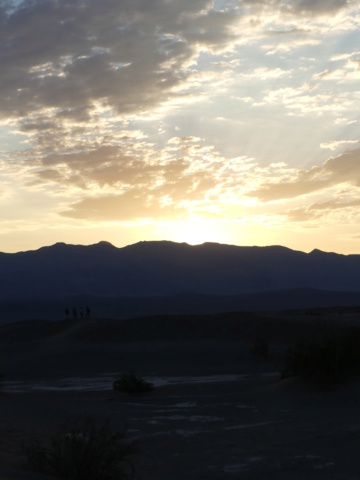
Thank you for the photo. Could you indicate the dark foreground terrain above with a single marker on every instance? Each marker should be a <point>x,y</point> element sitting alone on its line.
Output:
<point>215,412</point>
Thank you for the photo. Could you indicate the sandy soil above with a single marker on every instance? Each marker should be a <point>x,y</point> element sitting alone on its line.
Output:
<point>254,427</point>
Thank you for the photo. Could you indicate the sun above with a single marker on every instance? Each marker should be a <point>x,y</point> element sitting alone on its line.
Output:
<point>196,231</point>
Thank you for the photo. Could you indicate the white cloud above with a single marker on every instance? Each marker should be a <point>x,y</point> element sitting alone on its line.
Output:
<point>337,143</point>
<point>340,170</point>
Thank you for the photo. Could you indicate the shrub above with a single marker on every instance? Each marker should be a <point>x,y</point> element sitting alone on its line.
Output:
<point>2,377</point>
<point>327,357</point>
<point>260,349</point>
<point>80,451</point>
<point>132,384</point>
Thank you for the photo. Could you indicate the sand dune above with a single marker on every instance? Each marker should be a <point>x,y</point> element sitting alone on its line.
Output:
<point>240,421</point>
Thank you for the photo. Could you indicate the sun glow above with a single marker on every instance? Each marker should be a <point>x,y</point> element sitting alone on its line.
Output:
<point>196,231</point>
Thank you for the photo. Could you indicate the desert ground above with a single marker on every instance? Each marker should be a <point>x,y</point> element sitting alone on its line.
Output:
<point>215,412</point>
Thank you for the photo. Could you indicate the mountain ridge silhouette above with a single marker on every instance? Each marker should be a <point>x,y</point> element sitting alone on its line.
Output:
<point>157,268</point>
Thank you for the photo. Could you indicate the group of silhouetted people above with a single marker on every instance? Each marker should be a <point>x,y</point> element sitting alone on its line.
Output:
<point>75,312</point>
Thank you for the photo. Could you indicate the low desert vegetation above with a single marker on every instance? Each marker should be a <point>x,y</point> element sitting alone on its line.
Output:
<point>2,377</point>
<point>328,357</point>
<point>260,349</point>
<point>82,451</point>
<point>132,384</point>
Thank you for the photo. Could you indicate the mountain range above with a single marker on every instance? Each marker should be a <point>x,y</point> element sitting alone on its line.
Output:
<point>150,270</point>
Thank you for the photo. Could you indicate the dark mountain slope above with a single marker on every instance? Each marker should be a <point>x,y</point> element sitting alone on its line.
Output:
<point>166,268</point>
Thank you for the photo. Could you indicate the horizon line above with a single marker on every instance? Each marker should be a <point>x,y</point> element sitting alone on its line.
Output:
<point>176,243</point>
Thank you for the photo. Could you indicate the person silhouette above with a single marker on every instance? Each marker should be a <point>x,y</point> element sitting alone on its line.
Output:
<point>67,312</point>
<point>74,311</point>
<point>87,312</point>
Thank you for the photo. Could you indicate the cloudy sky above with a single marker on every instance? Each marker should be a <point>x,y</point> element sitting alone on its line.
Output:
<point>232,121</point>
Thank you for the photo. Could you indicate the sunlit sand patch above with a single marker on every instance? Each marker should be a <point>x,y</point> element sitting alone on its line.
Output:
<point>227,404</point>
<point>74,384</point>
<point>191,418</point>
<point>255,459</point>
<point>181,432</point>
<point>176,407</point>
<point>250,425</point>
<point>313,459</point>
<point>307,457</point>
<point>185,404</point>
<point>168,410</point>
<point>145,406</point>
<point>241,467</point>
<point>153,434</point>
<point>105,382</point>
<point>162,381</point>
<point>204,418</point>
<point>187,433</point>
<point>324,465</point>
<point>235,468</point>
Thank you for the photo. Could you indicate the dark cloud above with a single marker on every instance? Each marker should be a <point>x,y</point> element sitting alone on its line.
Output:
<point>277,191</point>
<point>318,210</point>
<point>129,55</point>
<point>315,7</point>
<point>138,187</point>
<point>286,33</point>
<point>89,158</point>
<point>296,7</point>
<point>128,206</point>
<point>64,62</point>
<point>324,74</point>
<point>38,126</point>
<point>151,189</point>
<point>342,169</point>
<point>50,174</point>
<point>111,165</point>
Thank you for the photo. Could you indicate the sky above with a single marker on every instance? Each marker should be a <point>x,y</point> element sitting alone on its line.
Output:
<point>230,121</point>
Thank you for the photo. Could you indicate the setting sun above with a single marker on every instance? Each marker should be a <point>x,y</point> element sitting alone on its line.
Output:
<point>197,231</point>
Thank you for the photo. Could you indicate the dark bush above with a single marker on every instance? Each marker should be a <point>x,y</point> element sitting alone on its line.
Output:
<point>2,377</point>
<point>81,451</point>
<point>132,384</point>
<point>331,355</point>
<point>260,349</point>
